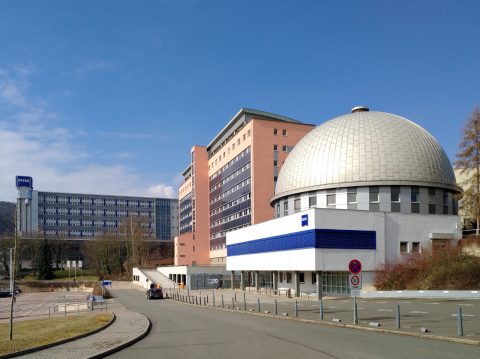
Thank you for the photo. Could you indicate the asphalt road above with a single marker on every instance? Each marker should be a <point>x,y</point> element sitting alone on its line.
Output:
<point>184,331</point>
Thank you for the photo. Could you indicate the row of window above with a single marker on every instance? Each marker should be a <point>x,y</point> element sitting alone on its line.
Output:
<point>224,233</point>
<point>101,224</point>
<point>239,200</point>
<point>275,132</point>
<point>94,213</point>
<point>231,217</point>
<point>285,148</point>
<point>230,163</point>
<point>219,159</point>
<point>218,246</point>
<point>95,201</point>
<point>410,247</point>
<point>232,176</point>
<point>230,190</point>
<point>374,200</point>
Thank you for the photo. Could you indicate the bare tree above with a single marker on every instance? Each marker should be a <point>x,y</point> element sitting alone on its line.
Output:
<point>468,163</point>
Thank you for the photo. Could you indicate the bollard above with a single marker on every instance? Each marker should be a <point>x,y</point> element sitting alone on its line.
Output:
<point>223,304</point>
<point>204,301</point>
<point>459,322</point>
<point>355,311</point>
<point>233,303</point>
<point>78,309</point>
<point>244,302</point>
<point>276,307</point>
<point>296,308</point>
<point>321,310</point>
<point>397,317</point>
<point>65,308</point>
<point>49,311</point>
<point>213,298</point>
<point>258,305</point>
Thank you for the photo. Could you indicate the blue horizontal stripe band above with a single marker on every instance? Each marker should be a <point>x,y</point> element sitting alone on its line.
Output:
<point>313,238</point>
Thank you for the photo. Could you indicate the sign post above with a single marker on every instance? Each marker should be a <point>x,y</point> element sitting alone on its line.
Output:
<point>355,279</point>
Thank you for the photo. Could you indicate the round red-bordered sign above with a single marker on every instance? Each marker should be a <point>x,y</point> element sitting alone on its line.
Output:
<point>355,280</point>
<point>355,266</point>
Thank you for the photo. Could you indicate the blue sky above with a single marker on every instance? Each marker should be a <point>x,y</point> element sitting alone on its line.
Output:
<point>109,96</point>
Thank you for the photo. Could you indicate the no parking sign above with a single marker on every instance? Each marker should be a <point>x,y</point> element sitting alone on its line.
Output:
<point>355,281</point>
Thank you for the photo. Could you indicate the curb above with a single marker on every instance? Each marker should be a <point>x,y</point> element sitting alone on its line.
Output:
<point>63,341</point>
<point>124,345</point>
<point>350,326</point>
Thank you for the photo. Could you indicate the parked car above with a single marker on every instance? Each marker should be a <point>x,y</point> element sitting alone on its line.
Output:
<point>6,292</point>
<point>154,293</point>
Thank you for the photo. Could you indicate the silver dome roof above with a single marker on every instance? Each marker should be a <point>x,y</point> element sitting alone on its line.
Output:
<point>365,148</point>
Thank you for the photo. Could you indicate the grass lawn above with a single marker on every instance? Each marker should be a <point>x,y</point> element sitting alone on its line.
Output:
<point>33,333</point>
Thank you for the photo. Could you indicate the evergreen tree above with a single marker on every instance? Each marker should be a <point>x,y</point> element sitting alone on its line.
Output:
<point>44,260</point>
<point>468,162</point>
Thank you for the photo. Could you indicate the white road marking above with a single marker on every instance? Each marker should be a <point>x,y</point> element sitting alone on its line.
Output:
<point>384,310</point>
<point>466,305</point>
<point>463,315</point>
<point>418,312</point>
<point>432,303</point>
<point>406,302</point>
<point>381,302</point>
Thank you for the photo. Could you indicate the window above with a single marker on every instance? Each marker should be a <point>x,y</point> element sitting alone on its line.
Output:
<point>374,198</point>
<point>416,247</point>
<point>445,202</point>
<point>248,133</point>
<point>275,163</point>
<point>415,194</point>
<point>275,147</point>
<point>312,200</point>
<point>415,199</point>
<point>289,277</point>
<point>280,277</point>
<point>395,193</point>
<point>301,277</point>
<point>352,195</point>
<point>296,204</point>
<point>403,247</point>
<point>284,132</point>
<point>314,278</point>
<point>285,208</point>
<point>331,199</point>
<point>431,200</point>
<point>284,148</point>
<point>277,207</point>
<point>275,131</point>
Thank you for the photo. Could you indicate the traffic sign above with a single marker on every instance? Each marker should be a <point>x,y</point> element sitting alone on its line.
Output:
<point>355,266</point>
<point>355,281</point>
<point>106,282</point>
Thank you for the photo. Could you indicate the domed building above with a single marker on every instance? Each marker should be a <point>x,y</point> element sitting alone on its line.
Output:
<point>368,186</point>
<point>367,160</point>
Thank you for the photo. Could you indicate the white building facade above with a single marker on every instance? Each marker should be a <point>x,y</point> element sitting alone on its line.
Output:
<point>370,186</point>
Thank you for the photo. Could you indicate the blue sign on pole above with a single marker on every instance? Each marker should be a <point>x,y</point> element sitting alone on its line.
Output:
<point>304,220</point>
<point>24,181</point>
<point>106,283</point>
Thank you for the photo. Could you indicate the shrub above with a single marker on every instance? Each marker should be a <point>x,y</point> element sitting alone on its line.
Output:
<point>449,268</point>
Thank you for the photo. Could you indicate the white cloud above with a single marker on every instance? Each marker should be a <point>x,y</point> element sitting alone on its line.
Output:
<point>161,190</point>
<point>32,144</point>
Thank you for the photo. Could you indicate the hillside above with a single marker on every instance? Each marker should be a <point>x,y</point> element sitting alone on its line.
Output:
<point>7,212</point>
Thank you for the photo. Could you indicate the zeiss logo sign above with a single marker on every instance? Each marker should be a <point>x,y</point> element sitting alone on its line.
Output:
<point>304,220</point>
<point>24,181</point>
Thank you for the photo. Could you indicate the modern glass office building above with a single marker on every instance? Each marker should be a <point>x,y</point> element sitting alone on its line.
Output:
<point>84,216</point>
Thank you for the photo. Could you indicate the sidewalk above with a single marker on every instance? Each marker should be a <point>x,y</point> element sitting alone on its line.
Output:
<point>127,328</point>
